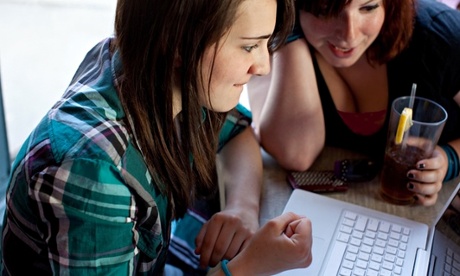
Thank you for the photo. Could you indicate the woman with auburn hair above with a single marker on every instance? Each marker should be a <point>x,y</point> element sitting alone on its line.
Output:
<point>345,63</point>
<point>132,145</point>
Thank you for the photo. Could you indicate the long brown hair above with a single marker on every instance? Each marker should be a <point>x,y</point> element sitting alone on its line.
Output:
<point>396,31</point>
<point>150,36</point>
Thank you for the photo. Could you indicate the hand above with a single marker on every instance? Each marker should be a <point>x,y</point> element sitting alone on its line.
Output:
<point>225,235</point>
<point>426,181</point>
<point>283,243</point>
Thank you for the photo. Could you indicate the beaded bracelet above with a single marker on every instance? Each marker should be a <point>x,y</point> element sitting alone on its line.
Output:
<point>453,162</point>
<point>223,265</point>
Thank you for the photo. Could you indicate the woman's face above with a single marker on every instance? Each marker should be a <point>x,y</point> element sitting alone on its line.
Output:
<point>342,40</point>
<point>243,52</point>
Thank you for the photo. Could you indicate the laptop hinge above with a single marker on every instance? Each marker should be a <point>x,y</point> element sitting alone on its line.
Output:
<point>422,260</point>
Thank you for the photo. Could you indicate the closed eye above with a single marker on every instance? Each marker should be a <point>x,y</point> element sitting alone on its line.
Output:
<point>370,8</point>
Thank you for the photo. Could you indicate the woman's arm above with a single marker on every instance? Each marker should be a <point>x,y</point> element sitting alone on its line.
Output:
<point>282,243</point>
<point>240,171</point>
<point>287,112</point>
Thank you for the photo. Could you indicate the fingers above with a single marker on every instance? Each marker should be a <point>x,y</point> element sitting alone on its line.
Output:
<point>199,238</point>
<point>299,231</point>
<point>283,221</point>
<point>426,200</point>
<point>222,237</point>
<point>426,194</point>
<point>206,244</point>
<point>430,170</point>
<point>297,226</point>
<point>426,180</point>
<point>292,234</point>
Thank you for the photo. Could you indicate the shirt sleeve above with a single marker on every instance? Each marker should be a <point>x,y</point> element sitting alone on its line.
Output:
<point>237,120</point>
<point>86,216</point>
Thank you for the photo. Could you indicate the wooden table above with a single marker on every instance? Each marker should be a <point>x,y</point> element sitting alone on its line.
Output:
<point>276,191</point>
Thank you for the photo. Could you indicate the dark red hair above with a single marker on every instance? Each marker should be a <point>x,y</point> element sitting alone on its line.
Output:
<point>396,31</point>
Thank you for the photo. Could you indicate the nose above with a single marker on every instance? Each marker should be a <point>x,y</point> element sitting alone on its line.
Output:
<point>346,27</point>
<point>261,65</point>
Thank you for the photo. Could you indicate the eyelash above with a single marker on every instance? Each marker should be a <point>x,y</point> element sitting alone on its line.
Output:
<point>370,8</point>
<point>250,48</point>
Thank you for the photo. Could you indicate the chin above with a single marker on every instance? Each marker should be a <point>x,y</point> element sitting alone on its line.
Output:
<point>342,63</point>
<point>227,108</point>
<point>223,106</point>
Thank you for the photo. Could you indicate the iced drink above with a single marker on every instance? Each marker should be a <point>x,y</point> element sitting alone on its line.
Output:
<point>396,165</point>
<point>421,132</point>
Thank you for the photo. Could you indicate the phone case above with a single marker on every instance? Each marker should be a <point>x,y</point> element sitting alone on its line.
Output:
<point>317,181</point>
<point>356,170</point>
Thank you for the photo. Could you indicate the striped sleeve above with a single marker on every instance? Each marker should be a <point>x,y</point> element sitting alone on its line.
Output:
<point>237,120</point>
<point>85,214</point>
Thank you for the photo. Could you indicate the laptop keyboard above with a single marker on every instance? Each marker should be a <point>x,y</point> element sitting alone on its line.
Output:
<point>452,263</point>
<point>368,246</point>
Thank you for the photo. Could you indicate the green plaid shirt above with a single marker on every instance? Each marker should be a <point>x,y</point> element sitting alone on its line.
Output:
<point>81,200</point>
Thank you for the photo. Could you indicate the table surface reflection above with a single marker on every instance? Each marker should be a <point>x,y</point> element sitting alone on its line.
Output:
<point>276,191</point>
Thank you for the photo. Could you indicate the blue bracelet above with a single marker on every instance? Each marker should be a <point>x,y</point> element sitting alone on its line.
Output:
<point>453,162</point>
<point>223,265</point>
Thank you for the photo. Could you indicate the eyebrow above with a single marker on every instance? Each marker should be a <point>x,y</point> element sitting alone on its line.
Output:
<point>257,37</point>
<point>369,2</point>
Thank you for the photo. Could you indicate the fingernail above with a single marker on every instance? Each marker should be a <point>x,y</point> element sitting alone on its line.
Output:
<point>410,175</point>
<point>410,186</point>
<point>421,166</point>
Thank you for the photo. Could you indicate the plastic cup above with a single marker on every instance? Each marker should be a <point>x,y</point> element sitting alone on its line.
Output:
<point>428,119</point>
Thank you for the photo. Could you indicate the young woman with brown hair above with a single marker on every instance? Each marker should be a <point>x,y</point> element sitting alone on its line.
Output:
<point>132,144</point>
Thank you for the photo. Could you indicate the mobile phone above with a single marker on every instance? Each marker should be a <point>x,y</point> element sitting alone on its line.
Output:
<point>355,170</point>
<point>316,181</point>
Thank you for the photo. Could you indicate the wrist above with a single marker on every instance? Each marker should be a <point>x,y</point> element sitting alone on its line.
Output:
<point>453,162</point>
<point>224,267</point>
<point>248,214</point>
<point>241,265</point>
<point>243,207</point>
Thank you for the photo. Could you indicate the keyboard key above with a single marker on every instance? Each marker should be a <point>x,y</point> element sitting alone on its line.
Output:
<point>351,257</point>
<point>345,272</point>
<point>384,227</point>
<point>373,225</point>
<point>361,224</point>
<point>343,237</point>
<point>374,266</point>
<point>379,250</point>
<point>353,249</point>
<point>396,228</point>
<point>371,247</point>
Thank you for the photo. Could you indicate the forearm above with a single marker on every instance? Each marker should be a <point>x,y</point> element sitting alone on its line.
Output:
<point>455,144</point>
<point>451,155</point>
<point>241,172</point>
<point>292,123</point>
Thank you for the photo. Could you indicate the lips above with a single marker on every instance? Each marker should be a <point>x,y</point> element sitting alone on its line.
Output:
<point>340,51</point>
<point>240,84</point>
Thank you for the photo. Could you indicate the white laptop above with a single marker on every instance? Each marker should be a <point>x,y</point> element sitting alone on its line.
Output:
<point>353,240</point>
<point>445,253</point>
